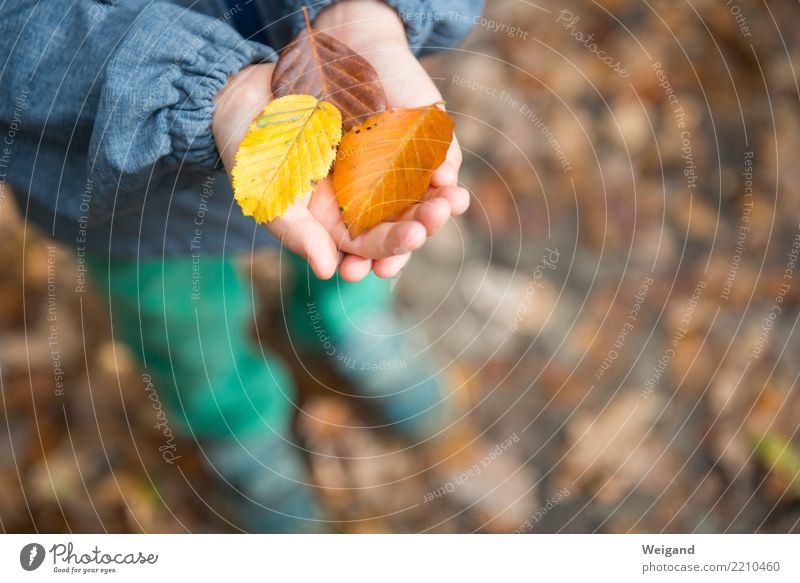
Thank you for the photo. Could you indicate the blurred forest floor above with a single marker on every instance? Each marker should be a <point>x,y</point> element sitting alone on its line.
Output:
<point>622,295</point>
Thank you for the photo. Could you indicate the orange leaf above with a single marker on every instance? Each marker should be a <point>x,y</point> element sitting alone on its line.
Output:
<point>384,165</point>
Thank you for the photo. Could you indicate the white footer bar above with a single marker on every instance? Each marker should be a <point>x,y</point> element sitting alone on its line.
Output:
<point>401,558</point>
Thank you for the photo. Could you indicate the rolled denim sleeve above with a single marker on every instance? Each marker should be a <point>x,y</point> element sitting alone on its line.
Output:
<point>431,25</point>
<point>131,83</point>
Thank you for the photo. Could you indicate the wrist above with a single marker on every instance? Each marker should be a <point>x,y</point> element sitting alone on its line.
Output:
<point>363,24</point>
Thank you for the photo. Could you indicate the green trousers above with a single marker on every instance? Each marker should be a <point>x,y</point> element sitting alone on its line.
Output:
<point>188,320</point>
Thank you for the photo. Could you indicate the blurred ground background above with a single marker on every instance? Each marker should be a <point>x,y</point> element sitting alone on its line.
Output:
<point>622,297</point>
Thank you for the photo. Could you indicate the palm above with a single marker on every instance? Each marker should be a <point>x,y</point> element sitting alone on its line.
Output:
<point>316,224</point>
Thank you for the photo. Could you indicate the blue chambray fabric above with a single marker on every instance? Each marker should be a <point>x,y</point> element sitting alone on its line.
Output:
<point>105,113</point>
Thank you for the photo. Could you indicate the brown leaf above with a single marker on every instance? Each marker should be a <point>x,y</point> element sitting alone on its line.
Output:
<point>384,165</point>
<point>317,64</point>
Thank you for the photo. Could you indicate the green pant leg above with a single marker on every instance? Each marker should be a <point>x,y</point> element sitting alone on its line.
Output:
<point>390,369</point>
<point>188,319</point>
<point>340,304</point>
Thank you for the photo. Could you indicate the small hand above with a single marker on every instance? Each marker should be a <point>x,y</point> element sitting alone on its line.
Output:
<point>244,96</point>
<point>375,31</point>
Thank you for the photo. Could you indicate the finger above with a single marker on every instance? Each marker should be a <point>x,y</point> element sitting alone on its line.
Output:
<point>386,239</point>
<point>354,268</point>
<point>457,197</point>
<point>431,213</point>
<point>391,266</point>
<point>304,235</point>
<point>447,173</point>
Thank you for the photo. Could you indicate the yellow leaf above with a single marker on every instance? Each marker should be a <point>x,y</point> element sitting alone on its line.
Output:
<point>288,148</point>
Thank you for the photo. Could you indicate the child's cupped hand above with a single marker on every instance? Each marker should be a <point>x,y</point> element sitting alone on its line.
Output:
<point>313,227</point>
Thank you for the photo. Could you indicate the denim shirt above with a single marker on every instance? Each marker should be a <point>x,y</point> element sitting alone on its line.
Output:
<point>105,113</point>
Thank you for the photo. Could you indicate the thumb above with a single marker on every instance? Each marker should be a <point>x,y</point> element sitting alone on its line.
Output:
<point>302,234</point>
